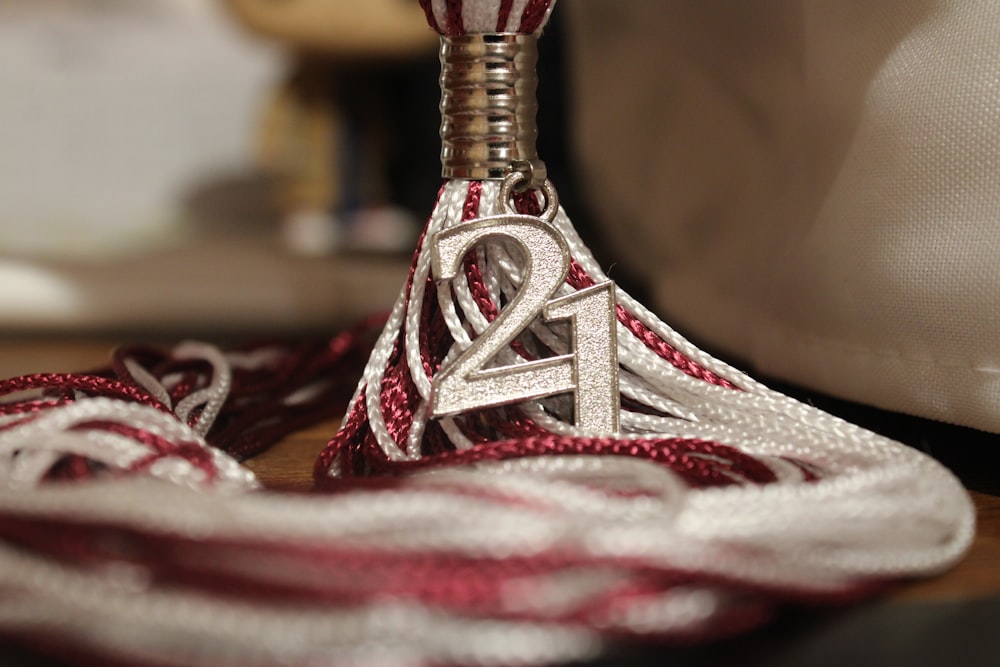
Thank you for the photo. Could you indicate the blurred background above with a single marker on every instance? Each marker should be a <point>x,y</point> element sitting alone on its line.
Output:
<point>210,165</point>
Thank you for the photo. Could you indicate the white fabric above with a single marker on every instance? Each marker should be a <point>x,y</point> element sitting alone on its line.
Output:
<point>812,186</point>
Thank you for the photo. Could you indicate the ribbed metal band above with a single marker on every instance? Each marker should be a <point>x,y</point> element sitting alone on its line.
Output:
<point>488,104</point>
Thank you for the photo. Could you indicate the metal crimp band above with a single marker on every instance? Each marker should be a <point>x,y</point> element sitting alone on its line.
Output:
<point>488,105</point>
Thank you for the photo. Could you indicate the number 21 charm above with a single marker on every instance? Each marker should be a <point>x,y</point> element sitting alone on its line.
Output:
<point>589,370</point>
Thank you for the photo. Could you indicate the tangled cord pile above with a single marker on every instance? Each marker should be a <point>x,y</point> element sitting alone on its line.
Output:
<point>129,534</point>
<point>505,537</point>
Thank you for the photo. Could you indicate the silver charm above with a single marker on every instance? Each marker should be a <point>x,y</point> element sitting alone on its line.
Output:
<point>590,371</point>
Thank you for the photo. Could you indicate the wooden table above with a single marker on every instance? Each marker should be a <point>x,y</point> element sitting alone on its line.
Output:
<point>972,587</point>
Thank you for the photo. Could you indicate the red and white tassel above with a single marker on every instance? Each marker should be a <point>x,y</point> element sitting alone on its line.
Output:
<point>506,536</point>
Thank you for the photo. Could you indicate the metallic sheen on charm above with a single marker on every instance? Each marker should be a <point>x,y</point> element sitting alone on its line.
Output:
<point>488,105</point>
<point>589,370</point>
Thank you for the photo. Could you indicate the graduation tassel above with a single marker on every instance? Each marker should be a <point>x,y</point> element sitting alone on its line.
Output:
<point>533,467</point>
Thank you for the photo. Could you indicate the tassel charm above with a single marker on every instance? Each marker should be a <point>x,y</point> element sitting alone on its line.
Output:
<point>589,370</point>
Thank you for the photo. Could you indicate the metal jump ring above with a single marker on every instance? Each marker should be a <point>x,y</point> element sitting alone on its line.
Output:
<point>509,185</point>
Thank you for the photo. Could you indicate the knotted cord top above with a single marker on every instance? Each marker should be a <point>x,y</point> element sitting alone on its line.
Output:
<point>488,105</point>
<point>454,18</point>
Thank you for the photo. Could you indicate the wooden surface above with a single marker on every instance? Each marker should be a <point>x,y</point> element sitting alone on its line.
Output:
<point>288,466</point>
